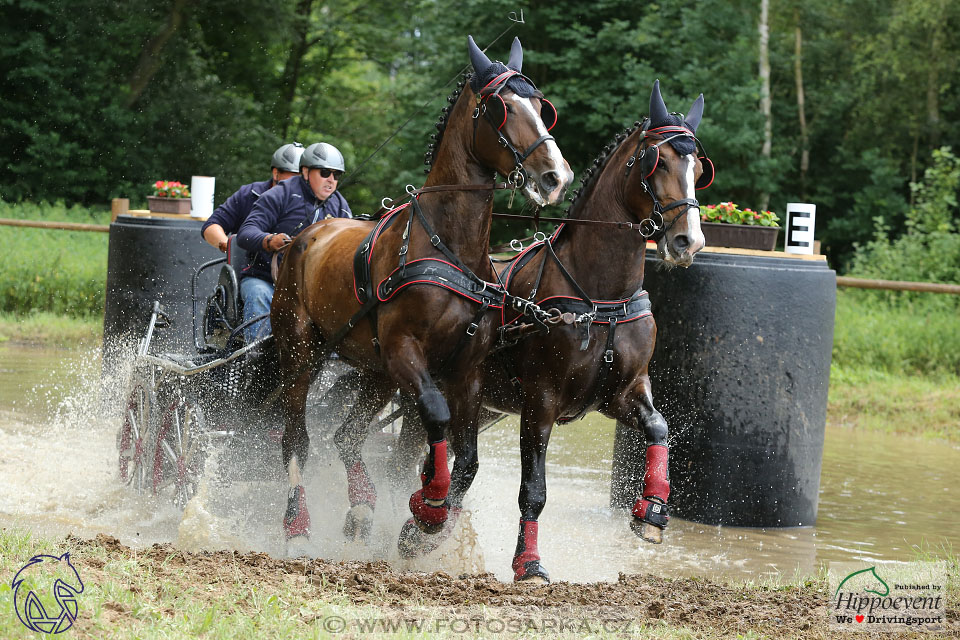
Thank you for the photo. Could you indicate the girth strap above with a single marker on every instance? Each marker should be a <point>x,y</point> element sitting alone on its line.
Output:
<point>600,381</point>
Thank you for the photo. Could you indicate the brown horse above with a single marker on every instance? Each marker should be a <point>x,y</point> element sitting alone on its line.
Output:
<point>423,333</point>
<point>599,362</point>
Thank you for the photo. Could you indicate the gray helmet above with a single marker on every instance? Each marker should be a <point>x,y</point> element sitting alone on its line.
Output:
<point>287,157</point>
<point>321,155</point>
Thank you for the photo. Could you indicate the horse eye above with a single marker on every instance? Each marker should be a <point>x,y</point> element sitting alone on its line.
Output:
<point>509,108</point>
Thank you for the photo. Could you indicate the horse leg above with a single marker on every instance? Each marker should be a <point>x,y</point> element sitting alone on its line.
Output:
<point>650,515</point>
<point>349,439</point>
<point>407,365</point>
<point>535,429</point>
<point>465,405</point>
<point>295,340</point>
<point>294,446</point>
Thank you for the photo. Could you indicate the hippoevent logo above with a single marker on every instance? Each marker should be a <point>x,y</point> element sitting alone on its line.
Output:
<point>45,593</point>
<point>896,596</point>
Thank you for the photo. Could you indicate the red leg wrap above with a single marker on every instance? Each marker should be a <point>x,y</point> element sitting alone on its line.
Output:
<point>425,513</point>
<point>436,475</point>
<point>656,488</point>
<point>526,560</point>
<point>296,521</point>
<point>360,489</point>
<point>655,483</point>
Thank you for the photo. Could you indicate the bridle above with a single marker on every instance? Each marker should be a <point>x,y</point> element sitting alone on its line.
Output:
<point>648,157</point>
<point>518,177</point>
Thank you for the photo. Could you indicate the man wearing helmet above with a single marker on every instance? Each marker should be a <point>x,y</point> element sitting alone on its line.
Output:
<point>230,215</point>
<point>281,213</point>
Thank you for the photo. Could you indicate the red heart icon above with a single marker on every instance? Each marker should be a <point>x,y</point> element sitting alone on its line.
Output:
<point>859,618</point>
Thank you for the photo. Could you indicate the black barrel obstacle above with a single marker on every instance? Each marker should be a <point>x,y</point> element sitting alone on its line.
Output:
<point>153,259</point>
<point>740,372</point>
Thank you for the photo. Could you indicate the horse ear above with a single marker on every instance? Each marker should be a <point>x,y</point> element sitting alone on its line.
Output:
<point>658,110</point>
<point>696,112</point>
<point>478,58</point>
<point>516,55</point>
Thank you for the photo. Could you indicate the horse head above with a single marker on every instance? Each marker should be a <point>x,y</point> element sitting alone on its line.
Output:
<point>511,127</point>
<point>669,173</point>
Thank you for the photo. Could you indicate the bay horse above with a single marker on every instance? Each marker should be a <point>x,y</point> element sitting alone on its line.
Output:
<point>420,319</point>
<point>645,180</point>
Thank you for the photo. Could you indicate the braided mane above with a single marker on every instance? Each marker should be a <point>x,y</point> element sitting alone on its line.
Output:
<point>441,125</point>
<point>589,177</point>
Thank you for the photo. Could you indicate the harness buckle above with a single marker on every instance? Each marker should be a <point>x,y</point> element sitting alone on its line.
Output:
<point>376,343</point>
<point>631,161</point>
<point>403,250</point>
<point>608,356</point>
<point>472,329</point>
<point>435,240</point>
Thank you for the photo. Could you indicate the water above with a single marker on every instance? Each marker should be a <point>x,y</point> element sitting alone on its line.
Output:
<point>880,497</point>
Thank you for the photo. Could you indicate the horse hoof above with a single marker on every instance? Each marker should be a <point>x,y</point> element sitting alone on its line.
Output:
<point>646,531</point>
<point>298,547</point>
<point>419,539</point>
<point>359,523</point>
<point>532,573</point>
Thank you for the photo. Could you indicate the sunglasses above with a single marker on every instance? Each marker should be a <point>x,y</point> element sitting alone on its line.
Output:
<point>326,173</point>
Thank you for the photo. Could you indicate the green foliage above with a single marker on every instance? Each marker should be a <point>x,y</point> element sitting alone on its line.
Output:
<point>100,98</point>
<point>55,271</point>
<point>929,251</point>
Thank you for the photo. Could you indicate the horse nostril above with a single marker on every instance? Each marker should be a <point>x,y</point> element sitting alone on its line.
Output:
<point>680,243</point>
<point>550,181</point>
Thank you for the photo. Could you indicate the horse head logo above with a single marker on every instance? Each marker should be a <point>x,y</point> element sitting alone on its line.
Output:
<point>45,593</point>
<point>865,580</point>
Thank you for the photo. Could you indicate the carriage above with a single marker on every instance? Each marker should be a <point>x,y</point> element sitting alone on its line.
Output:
<point>181,407</point>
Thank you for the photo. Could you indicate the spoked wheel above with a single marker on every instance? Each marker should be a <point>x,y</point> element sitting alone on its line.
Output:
<point>133,440</point>
<point>180,450</point>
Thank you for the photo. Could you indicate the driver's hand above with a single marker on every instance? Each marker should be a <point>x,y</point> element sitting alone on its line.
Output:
<point>277,241</point>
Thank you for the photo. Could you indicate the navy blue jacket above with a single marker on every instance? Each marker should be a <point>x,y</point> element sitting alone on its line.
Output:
<point>231,214</point>
<point>287,208</point>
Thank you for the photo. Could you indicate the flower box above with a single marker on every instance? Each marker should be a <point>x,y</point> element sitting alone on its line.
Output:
<point>169,205</point>
<point>739,236</point>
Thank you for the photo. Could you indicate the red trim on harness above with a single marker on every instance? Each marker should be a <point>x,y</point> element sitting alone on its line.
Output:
<point>509,73</point>
<point>541,304</point>
<point>670,129</point>
<point>407,283</point>
<point>713,177</point>
<point>556,114</point>
<point>376,235</point>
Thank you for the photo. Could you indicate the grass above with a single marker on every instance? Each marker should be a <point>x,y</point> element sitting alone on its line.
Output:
<point>43,327</point>
<point>900,335</point>
<point>129,594</point>
<point>876,400</point>
<point>62,272</point>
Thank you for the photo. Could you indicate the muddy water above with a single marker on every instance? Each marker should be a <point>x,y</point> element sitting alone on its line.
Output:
<point>881,496</point>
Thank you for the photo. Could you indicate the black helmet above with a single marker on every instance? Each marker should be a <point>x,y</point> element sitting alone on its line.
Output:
<point>287,157</point>
<point>321,155</point>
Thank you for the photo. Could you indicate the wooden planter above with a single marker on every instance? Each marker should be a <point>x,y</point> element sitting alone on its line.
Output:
<point>740,236</point>
<point>169,205</point>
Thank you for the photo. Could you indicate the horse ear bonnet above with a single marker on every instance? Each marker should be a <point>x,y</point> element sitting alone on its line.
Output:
<point>486,70</point>
<point>659,117</point>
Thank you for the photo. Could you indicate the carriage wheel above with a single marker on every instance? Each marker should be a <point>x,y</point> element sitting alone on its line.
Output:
<point>180,450</point>
<point>133,439</point>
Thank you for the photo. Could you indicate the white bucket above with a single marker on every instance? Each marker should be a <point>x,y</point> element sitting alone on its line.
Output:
<point>798,236</point>
<point>201,196</point>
